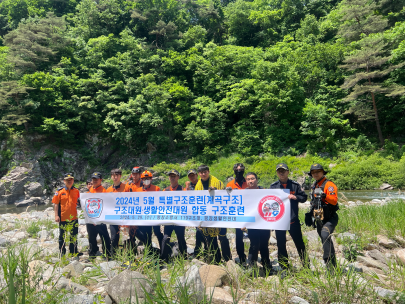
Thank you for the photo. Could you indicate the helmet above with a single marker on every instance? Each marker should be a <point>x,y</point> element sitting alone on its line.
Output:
<point>136,170</point>
<point>146,174</point>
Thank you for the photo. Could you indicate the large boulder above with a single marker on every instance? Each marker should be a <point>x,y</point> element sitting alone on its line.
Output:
<point>68,285</point>
<point>386,186</point>
<point>74,269</point>
<point>110,269</point>
<point>4,242</point>
<point>386,242</point>
<point>297,300</point>
<point>377,255</point>
<point>313,237</point>
<point>128,285</point>
<point>234,271</point>
<point>400,254</point>
<point>81,299</point>
<point>33,189</point>
<point>191,281</point>
<point>371,262</point>
<point>218,296</point>
<point>214,276</point>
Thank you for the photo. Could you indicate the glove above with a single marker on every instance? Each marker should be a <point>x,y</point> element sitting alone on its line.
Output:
<point>228,189</point>
<point>323,195</point>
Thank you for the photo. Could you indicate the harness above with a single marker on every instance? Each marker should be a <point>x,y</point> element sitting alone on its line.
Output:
<point>326,211</point>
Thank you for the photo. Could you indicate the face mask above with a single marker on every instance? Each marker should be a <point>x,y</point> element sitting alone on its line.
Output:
<point>146,182</point>
<point>239,174</point>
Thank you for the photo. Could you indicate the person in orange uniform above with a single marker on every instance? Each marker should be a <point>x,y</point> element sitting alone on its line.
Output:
<point>101,229</point>
<point>238,183</point>
<point>144,233</point>
<point>117,186</point>
<point>174,176</point>
<point>329,196</point>
<point>135,182</point>
<point>199,236</point>
<point>65,203</point>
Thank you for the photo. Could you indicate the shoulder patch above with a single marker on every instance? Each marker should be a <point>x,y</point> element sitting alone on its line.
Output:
<point>56,193</point>
<point>331,188</point>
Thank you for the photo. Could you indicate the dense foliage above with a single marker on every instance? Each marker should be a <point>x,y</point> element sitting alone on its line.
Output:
<point>211,76</point>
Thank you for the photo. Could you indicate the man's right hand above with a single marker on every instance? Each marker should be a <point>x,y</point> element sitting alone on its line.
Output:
<point>57,219</point>
<point>187,185</point>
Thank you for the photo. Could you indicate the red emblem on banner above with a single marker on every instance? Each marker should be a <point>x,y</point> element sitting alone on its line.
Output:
<point>271,208</point>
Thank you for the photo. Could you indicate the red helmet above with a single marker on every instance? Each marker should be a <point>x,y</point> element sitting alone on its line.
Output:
<point>146,174</point>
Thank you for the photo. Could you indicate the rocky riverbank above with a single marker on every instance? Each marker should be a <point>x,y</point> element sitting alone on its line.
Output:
<point>371,273</point>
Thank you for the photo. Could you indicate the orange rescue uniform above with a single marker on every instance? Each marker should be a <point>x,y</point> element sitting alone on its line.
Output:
<point>151,188</point>
<point>131,186</point>
<point>234,185</point>
<point>67,199</point>
<point>120,188</point>
<point>99,189</point>
<point>331,191</point>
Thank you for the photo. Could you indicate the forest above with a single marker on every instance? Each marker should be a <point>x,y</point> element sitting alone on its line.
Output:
<point>209,76</point>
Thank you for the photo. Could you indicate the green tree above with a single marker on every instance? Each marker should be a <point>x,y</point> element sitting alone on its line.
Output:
<point>369,64</point>
<point>35,43</point>
<point>358,17</point>
<point>14,104</point>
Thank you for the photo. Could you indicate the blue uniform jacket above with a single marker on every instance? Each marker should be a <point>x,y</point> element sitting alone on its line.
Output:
<point>296,190</point>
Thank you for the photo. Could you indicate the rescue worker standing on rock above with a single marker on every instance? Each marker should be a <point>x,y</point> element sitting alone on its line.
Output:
<point>259,238</point>
<point>134,183</point>
<point>238,183</point>
<point>180,231</point>
<point>296,195</point>
<point>199,236</point>
<point>144,233</point>
<point>116,187</point>
<point>326,217</point>
<point>65,202</point>
<point>101,229</point>
<point>210,183</point>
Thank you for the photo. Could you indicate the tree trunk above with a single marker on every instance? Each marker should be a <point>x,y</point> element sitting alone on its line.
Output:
<point>377,121</point>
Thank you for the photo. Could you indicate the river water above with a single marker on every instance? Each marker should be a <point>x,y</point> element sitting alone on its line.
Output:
<point>347,195</point>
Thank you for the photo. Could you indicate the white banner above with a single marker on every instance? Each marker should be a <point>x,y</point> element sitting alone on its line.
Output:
<point>260,209</point>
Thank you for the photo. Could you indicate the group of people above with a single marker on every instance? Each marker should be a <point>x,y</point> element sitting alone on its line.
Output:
<point>322,190</point>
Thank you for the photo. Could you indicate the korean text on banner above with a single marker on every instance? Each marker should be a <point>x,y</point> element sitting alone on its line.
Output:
<point>259,209</point>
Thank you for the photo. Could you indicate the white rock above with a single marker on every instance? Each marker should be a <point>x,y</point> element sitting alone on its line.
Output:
<point>297,300</point>
<point>43,235</point>
<point>110,269</point>
<point>385,293</point>
<point>195,287</point>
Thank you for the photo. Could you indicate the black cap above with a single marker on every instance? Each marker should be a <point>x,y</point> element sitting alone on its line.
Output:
<point>191,171</point>
<point>136,170</point>
<point>316,167</point>
<point>282,166</point>
<point>173,171</point>
<point>68,175</point>
<point>96,175</point>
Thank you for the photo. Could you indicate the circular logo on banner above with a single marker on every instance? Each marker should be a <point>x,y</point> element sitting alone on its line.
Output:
<point>94,206</point>
<point>271,208</point>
